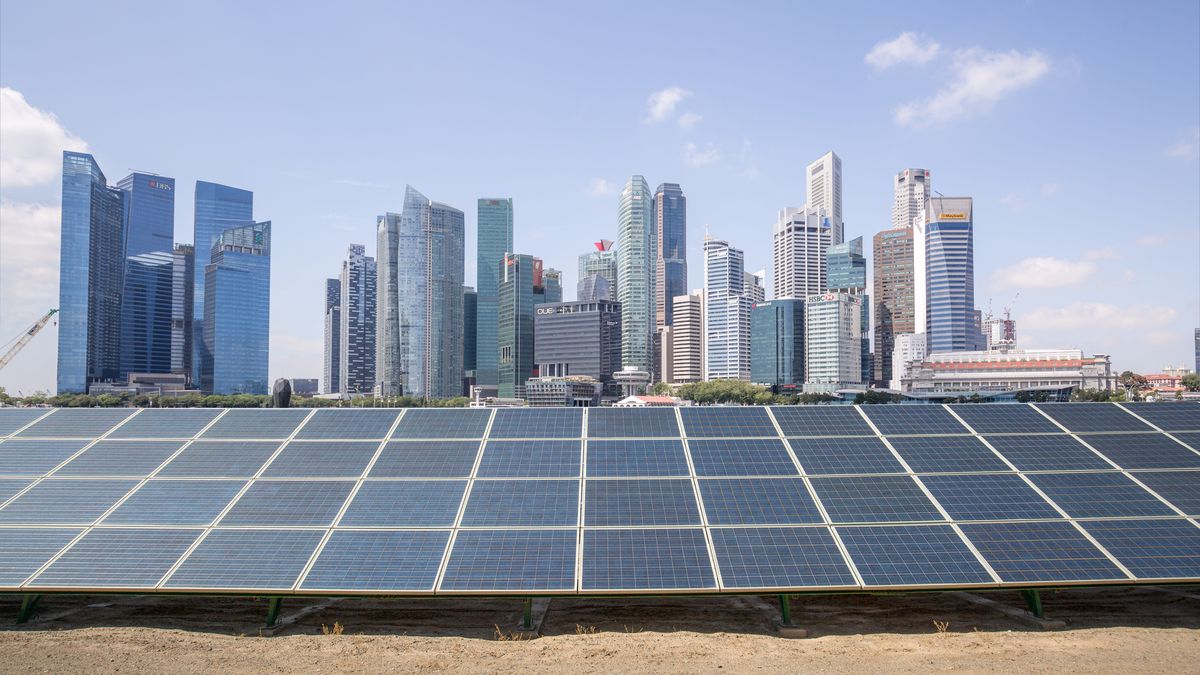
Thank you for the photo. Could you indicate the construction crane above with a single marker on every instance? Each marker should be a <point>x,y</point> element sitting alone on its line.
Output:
<point>25,337</point>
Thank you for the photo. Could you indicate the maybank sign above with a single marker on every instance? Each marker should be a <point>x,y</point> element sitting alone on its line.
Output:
<point>952,216</point>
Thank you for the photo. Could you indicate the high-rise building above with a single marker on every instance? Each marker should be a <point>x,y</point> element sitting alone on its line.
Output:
<point>593,288</point>
<point>1197,339</point>
<point>909,349</point>
<point>237,312</point>
<point>950,276</point>
<point>182,290</point>
<point>847,273</point>
<point>727,312</point>
<point>825,191</point>
<point>419,317</point>
<point>516,297</point>
<point>911,189</point>
<point>670,225</point>
<point>801,237</point>
<point>578,338</point>
<point>91,275</point>
<point>149,213</point>
<point>636,255</point>
<point>755,286</point>
<point>333,337</point>
<point>217,208</point>
<point>999,334</point>
<point>149,251</point>
<point>470,334</point>
<point>601,262</point>
<point>357,326</point>
<point>894,295</point>
<point>777,343</point>
<point>687,338</point>
<point>494,239</point>
<point>832,342</point>
<point>552,285</point>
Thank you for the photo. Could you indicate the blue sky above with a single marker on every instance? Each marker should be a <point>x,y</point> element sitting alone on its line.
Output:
<point>1074,125</point>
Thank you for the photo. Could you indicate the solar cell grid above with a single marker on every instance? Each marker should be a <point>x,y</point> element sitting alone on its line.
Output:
<point>874,499</point>
<point>1092,417</point>
<point>947,454</point>
<point>120,458</point>
<point>537,423</point>
<point>20,457</point>
<point>77,423</point>
<point>24,550</point>
<point>814,420</point>
<point>531,459</point>
<point>65,502</point>
<point>913,420</point>
<point>675,559</point>
<point>220,459</point>
<point>1006,418</point>
<point>11,486</point>
<point>447,424</point>
<point>405,503</point>
<point>911,555</point>
<point>118,558</point>
<point>615,502</point>
<point>1151,549</point>
<point>780,557</point>
<point>635,458</point>
<point>426,459</point>
<point>257,424</point>
<point>1046,551</point>
<point>988,497</point>
<point>347,423</point>
<point>844,455</point>
<point>166,423</point>
<point>511,560</point>
<point>632,423</point>
<point>741,457</point>
<point>295,503</point>
<point>12,419</point>
<point>1048,453</point>
<point>175,502</point>
<point>1098,495</point>
<point>1168,416</point>
<point>246,559</point>
<point>322,459</point>
<point>1144,451</point>
<point>1181,488</point>
<point>1191,439</point>
<point>727,422</point>
<point>522,503</point>
<point>758,501</point>
<point>374,561</point>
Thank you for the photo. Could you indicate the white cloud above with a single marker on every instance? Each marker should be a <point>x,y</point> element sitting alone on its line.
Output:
<point>600,187</point>
<point>981,79</point>
<point>33,142</point>
<point>1044,272</point>
<point>1187,147</point>
<point>1013,201</point>
<point>662,103</point>
<point>29,250</point>
<point>1089,316</point>
<point>695,157</point>
<point>689,119</point>
<point>1152,240</point>
<point>907,48</point>
<point>1051,189</point>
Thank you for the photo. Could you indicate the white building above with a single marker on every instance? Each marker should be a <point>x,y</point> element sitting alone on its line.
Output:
<point>687,338</point>
<point>825,190</point>
<point>1008,371</point>
<point>801,237</point>
<point>912,189</point>
<point>755,286</point>
<point>832,342</point>
<point>1000,334</point>
<point>726,312</point>
<point>909,349</point>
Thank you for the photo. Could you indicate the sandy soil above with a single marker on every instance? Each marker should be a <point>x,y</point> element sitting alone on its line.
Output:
<point>1108,630</point>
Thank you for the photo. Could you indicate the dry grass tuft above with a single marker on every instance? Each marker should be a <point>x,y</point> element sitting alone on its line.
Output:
<point>941,626</point>
<point>337,629</point>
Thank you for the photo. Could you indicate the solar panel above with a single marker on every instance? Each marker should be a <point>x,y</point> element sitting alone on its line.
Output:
<point>120,458</point>
<point>726,422</point>
<point>522,503</point>
<point>780,557</point>
<point>844,455</point>
<point>530,459</point>
<point>632,423</point>
<point>1048,453</point>
<point>1092,417</point>
<point>634,458</point>
<point>511,560</point>
<point>344,423</point>
<point>1181,488</point>
<point>1097,495</point>
<point>913,420</point>
<point>166,423</point>
<point>175,502</point>
<point>988,497</point>
<point>11,486</point>
<point>133,557</point>
<point>405,503</point>
<point>443,423</point>
<point>65,502</point>
<point>220,459</point>
<point>640,502</point>
<point>629,560</point>
<point>322,459</point>
<point>1144,451</point>
<point>758,501</point>
<point>741,457</point>
<point>393,561</point>
<point>1168,416</point>
<point>874,499</point>
<point>1151,549</point>
<point>426,459</point>
<point>12,419</point>
<point>77,423</point>
<point>947,454</point>
<point>1191,439</point>
<point>24,550</point>
<point>257,423</point>
<point>911,555</point>
<point>818,420</point>
<point>1004,419</point>
<point>294,503</point>
<point>260,560</point>
<point>20,457</point>
<point>1045,551</point>
<point>537,423</point>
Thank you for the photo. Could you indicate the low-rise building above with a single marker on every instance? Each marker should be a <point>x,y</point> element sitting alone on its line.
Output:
<point>579,391</point>
<point>976,371</point>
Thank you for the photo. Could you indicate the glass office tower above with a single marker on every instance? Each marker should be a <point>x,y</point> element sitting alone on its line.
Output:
<point>670,224</point>
<point>357,321</point>
<point>146,298</point>
<point>636,255</point>
<point>237,312</point>
<point>777,343</point>
<point>182,274</point>
<point>217,208</point>
<point>950,275</point>
<point>494,239</point>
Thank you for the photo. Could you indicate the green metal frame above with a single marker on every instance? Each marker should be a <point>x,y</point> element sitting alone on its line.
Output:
<point>785,610</point>
<point>273,605</point>
<point>28,605</point>
<point>527,615</point>
<point>1034,599</point>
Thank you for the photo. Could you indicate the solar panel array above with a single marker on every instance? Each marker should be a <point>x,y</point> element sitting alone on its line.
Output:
<point>561,501</point>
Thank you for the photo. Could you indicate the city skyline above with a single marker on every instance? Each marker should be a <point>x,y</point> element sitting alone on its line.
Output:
<point>1043,229</point>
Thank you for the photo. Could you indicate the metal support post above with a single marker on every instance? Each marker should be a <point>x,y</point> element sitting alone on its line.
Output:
<point>785,610</point>
<point>28,605</point>
<point>273,610</point>
<point>1034,600</point>
<point>527,617</point>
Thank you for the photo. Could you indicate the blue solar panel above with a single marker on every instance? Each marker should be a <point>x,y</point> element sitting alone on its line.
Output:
<point>12,419</point>
<point>256,424</point>
<point>988,497</point>
<point>220,459</point>
<point>1093,417</point>
<point>948,454</point>
<point>166,423</point>
<point>632,423</point>
<point>1048,551</point>
<point>634,458</point>
<point>1168,416</point>
<point>758,501</point>
<point>65,502</point>
<point>531,459</point>
<point>1047,453</point>
<point>1144,451</point>
<point>1098,495</point>
<point>913,420</point>
<point>448,423</point>
<point>24,550</point>
<point>120,458</point>
<point>77,423</point>
<point>726,422</point>
<point>1004,419</point>
<point>322,459</point>
<point>175,502</point>
<point>1191,439</point>
<point>911,555</point>
<point>295,503</point>
<point>33,458</point>
<point>11,486</point>
<point>1181,488</point>
<point>378,561</point>
<point>640,502</point>
<point>1151,549</point>
<point>537,423</point>
<point>344,423</point>
<point>630,560</point>
<point>426,459</point>
<point>780,557</point>
<point>742,457</point>
<point>134,557</point>
<point>511,560</point>
<point>874,499</point>
<point>844,455</point>
<point>816,420</point>
<point>259,560</point>
<point>522,503</point>
<point>405,503</point>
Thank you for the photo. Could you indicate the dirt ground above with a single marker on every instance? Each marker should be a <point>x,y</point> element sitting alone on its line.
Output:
<point>1108,630</point>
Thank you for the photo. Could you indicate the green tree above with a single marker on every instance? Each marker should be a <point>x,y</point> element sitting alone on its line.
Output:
<point>1191,381</point>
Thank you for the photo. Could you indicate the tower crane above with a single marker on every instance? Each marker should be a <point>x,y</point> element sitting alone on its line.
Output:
<point>25,337</point>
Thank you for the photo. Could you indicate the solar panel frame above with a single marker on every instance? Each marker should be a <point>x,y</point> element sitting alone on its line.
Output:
<point>36,457</point>
<point>321,459</point>
<point>803,421</point>
<point>422,503</point>
<point>120,458</point>
<point>257,424</point>
<point>639,423</point>
<point>543,458</point>
<point>947,454</point>
<point>1167,416</point>
<point>727,422</point>
<point>514,503</point>
<point>780,558</point>
<point>289,503</point>
<point>492,561</point>
<point>531,423</point>
<point>166,423</point>
<point>1052,452</point>
<point>1004,418</point>
<point>375,561</point>
<point>1085,418</point>
<point>995,496</point>
<point>913,420</point>
<point>1191,439</point>
<point>24,550</point>
<point>646,560</point>
<point>837,456</point>
<point>636,458</point>
<point>250,560</point>
<point>77,423</point>
<point>117,558</point>
<point>1144,451</point>
<point>443,424</point>
<point>874,499</point>
<point>912,556</point>
<point>1156,550</point>
<point>349,424</point>
<point>758,501</point>
<point>9,487</point>
<point>741,457</point>
<point>1099,495</point>
<point>616,502</point>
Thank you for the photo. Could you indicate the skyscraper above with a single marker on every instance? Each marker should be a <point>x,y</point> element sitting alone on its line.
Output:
<point>832,342</point>
<point>516,298</point>
<point>149,251</point>
<point>217,208</point>
<point>357,327</point>
<point>551,285</point>
<point>670,225</point>
<point>603,263</point>
<point>91,275</point>
<point>593,288</point>
<point>950,276</point>
<point>494,239</point>
<point>419,319</point>
<point>847,273</point>
<point>182,292</point>
<point>911,189</point>
<point>801,237</point>
<point>687,338</point>
<point>636,255</point>
<point>237,312</point>
<point>894,295</point>
<point>578,338</point>
<point>727,312</point>
<point>777,343</point>
<point>333,337</point>
<point>754,287</point>
<point>825,191</point>
<point>470,334</point>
